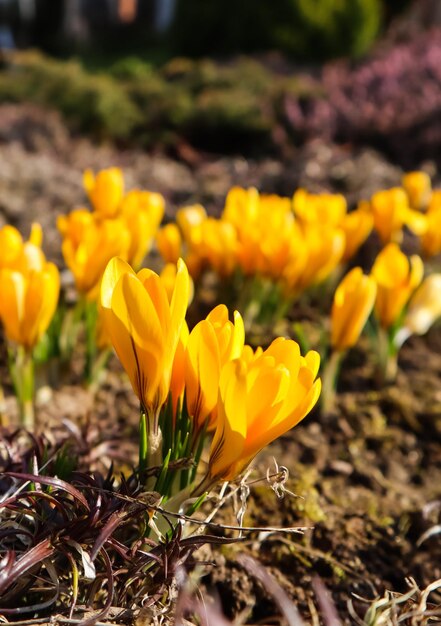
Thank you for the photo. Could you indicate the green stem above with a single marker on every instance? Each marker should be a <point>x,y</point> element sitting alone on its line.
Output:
<point>90,319</point>
<point>24,383</point>
<point>71,324</point>
<point>150,446</point>
<point>388,356</point>
<point>329,381</point>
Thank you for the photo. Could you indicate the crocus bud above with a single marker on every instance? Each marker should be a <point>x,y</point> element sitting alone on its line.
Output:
<point>353,302</point>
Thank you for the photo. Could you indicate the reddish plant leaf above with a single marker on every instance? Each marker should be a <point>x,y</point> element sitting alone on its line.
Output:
<point>30,559</point>
<point>57,483</point>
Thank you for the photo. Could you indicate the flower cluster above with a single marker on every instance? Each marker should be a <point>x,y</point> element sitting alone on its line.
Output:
<point>402,301</point>
<point>29,290</point>
<point>279,246</point>
<point>29,287</point>
<point>120,225</point>
<point>217,384</point>
<point>415,206</point>
<point>204,394</point>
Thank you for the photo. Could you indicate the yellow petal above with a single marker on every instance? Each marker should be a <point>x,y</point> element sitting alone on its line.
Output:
<point>202,371</point>
<point>41,299</point>
<point>352,305</point>
<point>178,304</point>
<point>11,247</point>
<point>12,298</point>
<point>229,437</point>
<point>116,267</point>
<point>137,337</point>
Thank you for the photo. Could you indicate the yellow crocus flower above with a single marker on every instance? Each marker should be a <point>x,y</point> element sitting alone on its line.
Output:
<point>202,371</point>
<point>264,230</point>
<point>431,239</point>
<point>105,190</point>
<point>353,302</point>
<point>177,380</point>
<point>218,246</point>
<point>144,327</point>
<point>324,250</point>
<point>88,245</point>
<point>259,400</point>
<point>15,254</point>
<point>168,278</point>
<point>241,206</point>
<point>418,187</point>
<point>189,220</point>
<point>397,277</point>
<point>357,227</point>
<point>142,212</point>
<point>28,302</point>
<point>212,343</point>
<point>230,335</point>
<point>169,243</point>
<point>391,211</point>
<point>324,209</point>
<point>36,235</point>
<point>11,246</point>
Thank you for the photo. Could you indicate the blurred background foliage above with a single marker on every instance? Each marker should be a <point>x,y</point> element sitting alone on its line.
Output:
<point>304,29</point>
<point>252,77</point>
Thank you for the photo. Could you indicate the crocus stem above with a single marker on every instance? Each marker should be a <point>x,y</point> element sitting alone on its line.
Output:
<point>24,383</point>
<point>90,318</point>
<point>143,444</point>
<point>150,446</point>
<point>388,356</point>
<point>329,381</point>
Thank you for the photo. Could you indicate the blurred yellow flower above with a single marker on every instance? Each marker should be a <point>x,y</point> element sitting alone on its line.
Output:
<point>11,246</point>
<point>144,327</point>
<point>324,209</point>
<point>260,399</point>
<point>15,254</point>
<point>218,246</point>
<point>142,212</point>
<point>324,251</point>
<point>357,227</point>
<point>169,243</point>
<point>88,245</point>
<point>397,277</point>
<point>168,277</point>
<point>28,302</point>
<point>189,220</point>
<point>431,239</point>
<point>353,302</point>
<point>105,190</point>
<point>264,226</point>
<point>241,206</point>
<point>418,187</point>
<point>391,211</point>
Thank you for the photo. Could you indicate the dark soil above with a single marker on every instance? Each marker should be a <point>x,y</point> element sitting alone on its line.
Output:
<point>364,476</point>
